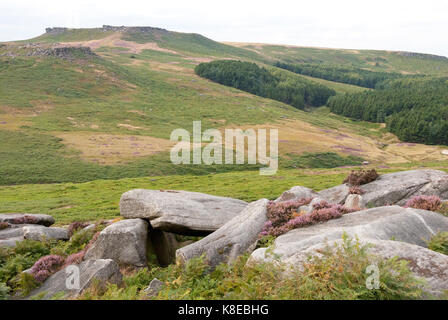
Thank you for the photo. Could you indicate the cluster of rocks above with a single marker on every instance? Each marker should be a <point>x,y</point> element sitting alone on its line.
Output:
<point>62,52</point>
<point>18,227</point>
<point>231,227</point>
<point>422,55</point>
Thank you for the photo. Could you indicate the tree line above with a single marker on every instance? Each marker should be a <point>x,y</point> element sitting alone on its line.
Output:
<point>415,109</point>
<point>271,84</point>
<point>350,75</point>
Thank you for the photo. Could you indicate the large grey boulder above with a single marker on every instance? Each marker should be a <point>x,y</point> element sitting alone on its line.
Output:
<point>103,270</point>
<point>297,192</point>
<point>183,212</point>
<point>231,240</point>
<point>27,218</point>
<point>383,223</point>
<point>10,242</point>
<point>124,241</point>
<point>395,188</point>
<point>39,233</point>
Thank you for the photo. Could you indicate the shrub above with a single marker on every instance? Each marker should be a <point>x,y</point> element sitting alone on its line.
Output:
<point>443,209</point>
<point>283,216</point>
<point>439,243</point>
<point>25,220</point>
<point>431,203</point>
<point>4,291</point>
<point>77,257</point>
<point>46,266</point>
<point>357,178</point>
<point>279,213</point>
<point>356,190</point>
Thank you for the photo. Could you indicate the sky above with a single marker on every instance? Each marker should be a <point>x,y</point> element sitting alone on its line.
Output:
<point>407,25</point>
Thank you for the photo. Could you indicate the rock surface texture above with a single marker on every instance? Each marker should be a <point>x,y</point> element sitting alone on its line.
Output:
<point>124,241</point>
<point>395,188</point>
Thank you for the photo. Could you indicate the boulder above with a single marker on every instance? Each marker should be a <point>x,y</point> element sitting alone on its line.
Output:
<point>182,212</point>
<point>424,263</point>
<point>395,188</point>
<point>27,218</point>
<point>231,240</point>
<point>124,241</point>
<point>337,194</point>
<point>383,223</point>
<point>10,242</point>
<point>354,201</point>
<point>154,288</point>
<point>39,233</point>
<point>103,270</point>
<point>297,192</point>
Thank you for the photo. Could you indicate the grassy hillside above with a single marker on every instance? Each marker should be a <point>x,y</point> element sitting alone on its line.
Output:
<point>107,113</point>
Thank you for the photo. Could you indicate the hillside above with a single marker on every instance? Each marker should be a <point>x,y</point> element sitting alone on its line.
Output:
<point>84,104</point>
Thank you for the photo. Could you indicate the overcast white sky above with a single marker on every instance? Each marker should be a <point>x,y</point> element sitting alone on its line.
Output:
<point>410,25</point>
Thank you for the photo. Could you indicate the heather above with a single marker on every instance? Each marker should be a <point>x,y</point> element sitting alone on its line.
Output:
<point>356,190</point>
<point>360,177</point>
<point>4,225</point>
<point>431,203</point>
<point>46,266</point>
<point>339,273</point>
<point>284,216</point>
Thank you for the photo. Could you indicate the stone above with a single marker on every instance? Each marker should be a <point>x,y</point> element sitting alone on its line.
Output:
<point>297,192</point>
<point>155,286</point>
<point>27,218</point>
<point>354,201</point>
<point>102,270</point>
<point>337,194</point>
<point>383,223</point>
<point>39,233</point>
<point>182,212</point>
<point>124,241</point>
<point>10,242</point>
<point>231,240</point>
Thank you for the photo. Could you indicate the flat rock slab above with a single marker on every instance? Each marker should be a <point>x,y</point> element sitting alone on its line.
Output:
<point>182,212</point>
<point>124,241</point>
<point>27,218</point>
<point>383,223</point>
<point>10,242</point>
<point>103,270</point>
<point>39,233</point>
<point>395,188</point>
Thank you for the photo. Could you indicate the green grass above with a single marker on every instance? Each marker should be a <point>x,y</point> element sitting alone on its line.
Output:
<point>95,200</point>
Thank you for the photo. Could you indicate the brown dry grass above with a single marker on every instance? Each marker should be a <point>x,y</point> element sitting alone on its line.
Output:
<point>109,149</point>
